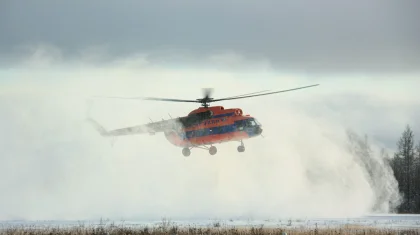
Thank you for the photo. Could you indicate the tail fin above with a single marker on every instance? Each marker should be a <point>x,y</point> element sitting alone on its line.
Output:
<point>102,131</point>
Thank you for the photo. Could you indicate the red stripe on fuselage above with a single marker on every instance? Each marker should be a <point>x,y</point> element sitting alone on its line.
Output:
<point>205,140</point>
<point>219,138</point>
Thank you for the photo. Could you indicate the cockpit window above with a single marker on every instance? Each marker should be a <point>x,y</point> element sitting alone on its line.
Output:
<point>250,122</point>
<point>256,121</point>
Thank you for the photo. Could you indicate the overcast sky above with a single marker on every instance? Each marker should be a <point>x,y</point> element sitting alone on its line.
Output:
<point>55,54</point>
<point>323,36</point>
<point>323,41</point>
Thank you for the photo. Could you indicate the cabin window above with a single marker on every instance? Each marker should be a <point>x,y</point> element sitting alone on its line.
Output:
<point>190,134</point>
<point>214,130</point>
<point>200,132</point>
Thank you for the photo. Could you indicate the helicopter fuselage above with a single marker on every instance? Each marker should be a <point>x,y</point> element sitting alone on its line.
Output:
<point>217,125</point>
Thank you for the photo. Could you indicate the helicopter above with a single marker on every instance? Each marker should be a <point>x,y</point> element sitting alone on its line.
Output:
<point>203,127</point>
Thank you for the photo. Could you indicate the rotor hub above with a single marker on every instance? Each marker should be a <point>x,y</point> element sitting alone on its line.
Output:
<point>205,102</point>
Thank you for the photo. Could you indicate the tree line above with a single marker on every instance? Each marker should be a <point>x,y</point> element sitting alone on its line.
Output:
<point>405,165</point>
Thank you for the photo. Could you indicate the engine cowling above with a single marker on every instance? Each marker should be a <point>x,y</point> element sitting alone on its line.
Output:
<point>195,118</point>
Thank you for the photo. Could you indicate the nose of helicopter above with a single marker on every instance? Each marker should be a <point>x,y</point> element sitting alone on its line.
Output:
<point>258,130</point>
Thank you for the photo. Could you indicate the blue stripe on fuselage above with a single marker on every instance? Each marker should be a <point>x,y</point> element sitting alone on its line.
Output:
<point>211,131</point>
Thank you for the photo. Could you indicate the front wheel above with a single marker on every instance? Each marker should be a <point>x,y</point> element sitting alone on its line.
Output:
<point>213,150</point>
<point>186,152</point>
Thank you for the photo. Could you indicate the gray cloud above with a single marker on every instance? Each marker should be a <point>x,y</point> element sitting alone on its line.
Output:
<point>322,36</point>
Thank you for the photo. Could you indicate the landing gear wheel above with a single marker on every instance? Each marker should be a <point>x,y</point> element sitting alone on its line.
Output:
<point>213,150</point>
<point>186,152</point>
<point>241,148</point>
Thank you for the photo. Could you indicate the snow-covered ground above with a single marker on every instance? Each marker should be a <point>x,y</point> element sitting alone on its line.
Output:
<point>384,221</point>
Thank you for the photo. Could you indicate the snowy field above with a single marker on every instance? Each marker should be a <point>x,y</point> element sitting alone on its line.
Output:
<point>377,221</point>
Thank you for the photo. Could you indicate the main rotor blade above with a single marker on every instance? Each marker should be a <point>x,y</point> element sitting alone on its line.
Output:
<point>246,94</point>
<point>167,99</point>
<point>148,98</point>
<point>241,97</point>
